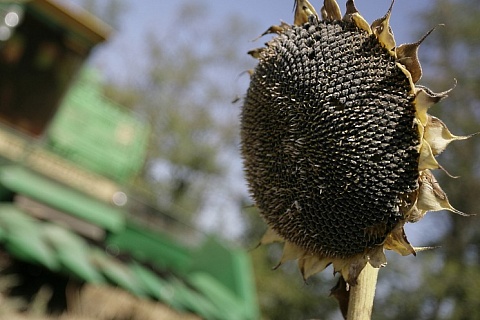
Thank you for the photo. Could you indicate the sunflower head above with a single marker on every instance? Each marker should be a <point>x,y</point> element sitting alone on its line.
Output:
<point>337,143</point>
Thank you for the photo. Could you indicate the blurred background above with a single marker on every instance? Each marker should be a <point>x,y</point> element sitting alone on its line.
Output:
<point>120,172</point>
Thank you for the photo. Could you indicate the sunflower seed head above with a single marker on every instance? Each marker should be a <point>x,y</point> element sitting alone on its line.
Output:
<point>337,142</point>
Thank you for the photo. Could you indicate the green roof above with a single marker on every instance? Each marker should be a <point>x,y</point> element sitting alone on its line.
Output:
<point>97,133</point>
<point>211,280</point>
<point>56,195</point>
<point>59,249</point>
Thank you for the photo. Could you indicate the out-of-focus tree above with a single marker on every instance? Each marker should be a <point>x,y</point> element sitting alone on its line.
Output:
<point>179,85</point>
<point>443,283</point>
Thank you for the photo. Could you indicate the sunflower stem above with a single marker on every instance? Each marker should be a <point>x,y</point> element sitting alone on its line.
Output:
<point>360,304</point>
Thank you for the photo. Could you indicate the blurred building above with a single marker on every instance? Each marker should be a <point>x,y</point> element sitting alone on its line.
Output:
<point>71,235</point>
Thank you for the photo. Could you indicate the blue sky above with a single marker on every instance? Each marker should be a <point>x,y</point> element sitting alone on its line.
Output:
<point>145,16</point>
<point>157,14</point>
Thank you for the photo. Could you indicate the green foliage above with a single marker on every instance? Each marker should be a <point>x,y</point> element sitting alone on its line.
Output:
<point>178,86</point>
<point>190,109</point>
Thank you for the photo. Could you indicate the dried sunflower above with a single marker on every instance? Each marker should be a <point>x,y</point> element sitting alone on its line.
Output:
<point>337,143</point>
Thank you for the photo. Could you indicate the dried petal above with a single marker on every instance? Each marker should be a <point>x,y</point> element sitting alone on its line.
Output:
<point>381,28</point>
<point>377,258</point>
<point>290,252</point>
<point>351,270</point>
<point>352,15</point>
<point>427,159</point>
<point>407,54</point>
<point>431,196</point>
<point>312,264</point>
<point>303,10</point>
<point>256,53</point>
<point>438,136</point>
<point>275,29</point>
<point>331,11</point>
<point>271,236</point>
<point>398,242</point>
<point>424,99</point>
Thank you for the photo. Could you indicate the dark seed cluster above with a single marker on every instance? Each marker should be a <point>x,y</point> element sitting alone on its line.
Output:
<point>328,138</point>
